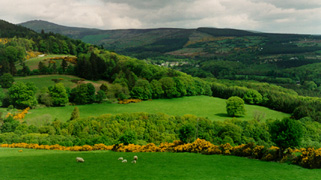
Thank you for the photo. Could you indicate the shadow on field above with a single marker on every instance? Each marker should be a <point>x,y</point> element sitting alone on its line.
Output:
<point>222,115</point>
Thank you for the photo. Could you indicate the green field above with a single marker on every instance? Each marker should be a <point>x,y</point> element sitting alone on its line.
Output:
<point>42,81</point>
<point>202,106</point>
<point>51,164</point>
<point>32,63</point>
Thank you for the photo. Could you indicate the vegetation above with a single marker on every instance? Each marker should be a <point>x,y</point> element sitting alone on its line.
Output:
<point>22,95</point>
<point>235,106</point>
<point>215,109</point>
<point>286,133</point>
<point>223,54</point>
<point>24,164</point>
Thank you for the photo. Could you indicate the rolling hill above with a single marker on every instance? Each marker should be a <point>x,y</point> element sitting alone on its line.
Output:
<point>196,43</point>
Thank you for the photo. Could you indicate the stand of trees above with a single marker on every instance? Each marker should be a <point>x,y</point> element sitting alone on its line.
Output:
<point>143,128</point>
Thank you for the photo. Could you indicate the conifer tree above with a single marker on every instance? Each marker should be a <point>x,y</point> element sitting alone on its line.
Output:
<point>74,114</point>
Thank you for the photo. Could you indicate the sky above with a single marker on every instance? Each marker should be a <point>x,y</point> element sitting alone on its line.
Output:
<point>275,16</point>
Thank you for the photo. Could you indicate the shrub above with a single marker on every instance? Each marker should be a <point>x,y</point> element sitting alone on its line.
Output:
<point>235,106</point>
<point>187,133</point>
<point>129,137</point>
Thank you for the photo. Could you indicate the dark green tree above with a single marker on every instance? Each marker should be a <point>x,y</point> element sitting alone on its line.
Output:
<point>100,96</point>
<point>286,133</point>
<point>25,70</point>
<point>43,69</point>
<point>187,133</point>
<point>9,125</point>
<point>64,65</point>
<point>169,87</point>
<point>44,97</point>
<point>91,91</point>
<point>83,94</point>
<point>235,106</point>
<point>141,90</point>
<point>129,137</point>
<point>58,94</point>
<point>6,80</point>
<point>75,114</point>
<point>79,94</point>
<point>156,89</point>
<point>22,95</point>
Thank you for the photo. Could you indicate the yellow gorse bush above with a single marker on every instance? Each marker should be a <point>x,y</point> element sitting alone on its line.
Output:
<point>32,54</point>
<point>127,101</point>
<point>4,40</point>
<point>308,157</point>
<point>18,116</point>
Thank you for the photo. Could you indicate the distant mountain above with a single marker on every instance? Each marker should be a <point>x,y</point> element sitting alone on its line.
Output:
<point>73,32</point>
<point>200,43</point>
<point>9,30</point>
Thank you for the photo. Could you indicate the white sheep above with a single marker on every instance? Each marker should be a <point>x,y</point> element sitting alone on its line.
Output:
<point>134,161</point>
<point>124,161</point>
<point>121,158</point>
<point>79,159</point>
<point>135,158</point>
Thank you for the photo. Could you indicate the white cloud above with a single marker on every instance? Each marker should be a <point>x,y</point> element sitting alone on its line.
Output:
<point>295,16</point>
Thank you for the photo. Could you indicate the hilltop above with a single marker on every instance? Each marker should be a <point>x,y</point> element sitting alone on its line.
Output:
<point>73,32</point>
<point>199,43</point>
<point>213,52</point>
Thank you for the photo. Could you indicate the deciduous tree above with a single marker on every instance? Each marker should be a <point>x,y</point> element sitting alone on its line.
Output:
<point>235,106</point>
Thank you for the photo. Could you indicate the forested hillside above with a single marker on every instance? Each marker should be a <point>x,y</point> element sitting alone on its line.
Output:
<point>89,74</point>
<point>213,52</point>
<point>132,78</point>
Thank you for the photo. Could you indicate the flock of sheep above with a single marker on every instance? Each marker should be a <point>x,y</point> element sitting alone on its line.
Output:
<point>125,160</point>
<point>80,159</point>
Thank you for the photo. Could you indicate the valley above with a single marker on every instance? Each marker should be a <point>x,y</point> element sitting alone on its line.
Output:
<point>232,96</point>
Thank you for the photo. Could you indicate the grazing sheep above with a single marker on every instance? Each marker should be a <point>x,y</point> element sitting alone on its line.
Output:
<point>121,158</point>
<point>134,161</point>
<point>79,159</point>
<point>124,161</point>
<point>135,158</point>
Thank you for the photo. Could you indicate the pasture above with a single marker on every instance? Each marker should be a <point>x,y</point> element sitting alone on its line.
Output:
<point>202,106</point>
<point>42,81</point>
<point>62,165</point>
<point>32,63</point>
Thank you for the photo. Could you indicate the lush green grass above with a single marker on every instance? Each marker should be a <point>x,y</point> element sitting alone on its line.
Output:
<point>46,80</point>
<point>32,63</point>
<point>43,164</point>
<point>42,81</point>
<point>203,106</point>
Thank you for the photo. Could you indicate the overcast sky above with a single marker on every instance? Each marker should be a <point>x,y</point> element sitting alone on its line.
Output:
<point>283,16</point>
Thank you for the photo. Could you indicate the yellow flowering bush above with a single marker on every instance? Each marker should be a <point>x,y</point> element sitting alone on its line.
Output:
<point>102,147</point>
<point>309,158</point>
<point>32,54</point>
<point>18,116</point>
<point>4,40</point>
<point>258,152</point>
<point>226,148</point>
<point>272,154</point>
<point>127,101</point>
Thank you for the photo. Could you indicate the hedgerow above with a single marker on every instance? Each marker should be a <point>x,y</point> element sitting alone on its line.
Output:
<point>308,158</point>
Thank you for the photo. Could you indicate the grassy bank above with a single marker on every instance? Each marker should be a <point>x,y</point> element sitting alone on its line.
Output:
<point>44,164</point>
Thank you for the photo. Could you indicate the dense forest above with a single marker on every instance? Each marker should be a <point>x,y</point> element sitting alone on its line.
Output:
<point>288,60</point>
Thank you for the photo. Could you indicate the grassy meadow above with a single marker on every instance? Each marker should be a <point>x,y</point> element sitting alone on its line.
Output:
<point>202,106</point>
<point>32,63</point>
<point>42,81</point>
<point>62,165</point>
